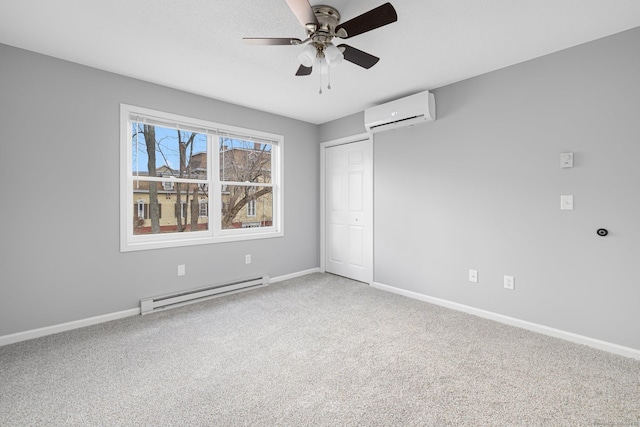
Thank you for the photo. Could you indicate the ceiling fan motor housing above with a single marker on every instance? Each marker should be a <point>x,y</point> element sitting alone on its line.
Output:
<point>328,19</point>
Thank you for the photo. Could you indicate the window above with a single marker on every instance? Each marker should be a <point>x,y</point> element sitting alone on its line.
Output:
<point>251,207</point>
<point>216,183</point>
<point>142,210</point>
<point>203,208</point>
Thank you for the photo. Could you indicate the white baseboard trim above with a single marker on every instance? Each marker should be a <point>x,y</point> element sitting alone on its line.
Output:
<point>294,275</point>
<point>62,327</point>
<point>557,333</point>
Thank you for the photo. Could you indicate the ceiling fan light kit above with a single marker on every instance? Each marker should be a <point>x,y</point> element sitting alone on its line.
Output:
<point>333,55</point>
<point>322,25</point>
<point>307,56</point>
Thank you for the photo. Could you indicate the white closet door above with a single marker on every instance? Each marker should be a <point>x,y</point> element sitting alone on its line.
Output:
<point>349,210</point>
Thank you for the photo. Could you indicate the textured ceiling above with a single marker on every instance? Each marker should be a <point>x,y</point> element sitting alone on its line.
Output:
<point>196,45</point>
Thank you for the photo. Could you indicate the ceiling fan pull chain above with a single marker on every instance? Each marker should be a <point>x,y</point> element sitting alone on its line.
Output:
<point>329,77</point>
<point>320,74</point>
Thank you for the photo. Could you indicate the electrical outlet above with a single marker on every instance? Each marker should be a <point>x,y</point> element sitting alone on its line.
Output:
<point>509,282</point>
<point>247,259</point>
<point>473,276</point>
<point>181,270</point>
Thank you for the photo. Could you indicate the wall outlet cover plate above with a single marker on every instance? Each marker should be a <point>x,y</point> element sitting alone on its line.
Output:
<point>509,282</point>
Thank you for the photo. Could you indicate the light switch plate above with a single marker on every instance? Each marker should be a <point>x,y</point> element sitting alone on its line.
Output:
<point>566,160</point>
<point>566,202</point>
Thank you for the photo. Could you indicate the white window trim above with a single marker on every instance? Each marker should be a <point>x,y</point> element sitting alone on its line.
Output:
<point>215,233</point>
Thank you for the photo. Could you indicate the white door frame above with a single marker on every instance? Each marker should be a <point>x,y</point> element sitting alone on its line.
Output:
<point>323,147</point>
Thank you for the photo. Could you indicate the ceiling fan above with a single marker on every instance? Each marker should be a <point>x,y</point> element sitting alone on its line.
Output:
<point>322,24</point>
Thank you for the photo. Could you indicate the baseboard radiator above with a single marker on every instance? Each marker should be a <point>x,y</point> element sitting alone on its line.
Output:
<point>151,305</point>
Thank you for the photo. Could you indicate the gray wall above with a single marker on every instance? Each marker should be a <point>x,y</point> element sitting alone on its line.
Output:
<point>345,126</point>
<point>480,189</point>
<point>59,165</point>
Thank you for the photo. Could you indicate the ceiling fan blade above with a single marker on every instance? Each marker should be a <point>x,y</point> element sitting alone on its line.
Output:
<point>304,71</point>
<point>375,18</point>
<point>303,11</point>
<point>271,41</point>
<point>358,57</point>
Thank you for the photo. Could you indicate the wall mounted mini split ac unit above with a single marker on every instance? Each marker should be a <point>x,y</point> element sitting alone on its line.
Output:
<point>418,108</point>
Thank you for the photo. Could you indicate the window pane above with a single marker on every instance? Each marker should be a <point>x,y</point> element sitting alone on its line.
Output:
<point>244,161</point>
<point>160,151</point>
<point>238,201</point>
<point>158,209</point>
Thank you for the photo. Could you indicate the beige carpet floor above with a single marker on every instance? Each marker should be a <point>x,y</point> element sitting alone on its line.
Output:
<point>318,350</point>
